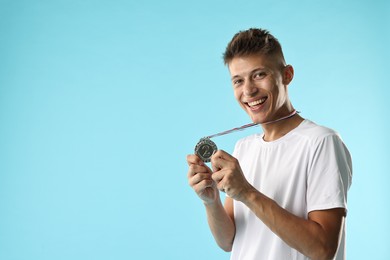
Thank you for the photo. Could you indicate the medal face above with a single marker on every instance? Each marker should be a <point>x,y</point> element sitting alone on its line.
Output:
<point>205,148</point>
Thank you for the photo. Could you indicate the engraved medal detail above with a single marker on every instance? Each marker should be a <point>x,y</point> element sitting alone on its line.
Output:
<point>205,148</point>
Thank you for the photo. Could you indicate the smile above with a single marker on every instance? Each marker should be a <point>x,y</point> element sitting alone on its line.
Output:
<point>257,102</point>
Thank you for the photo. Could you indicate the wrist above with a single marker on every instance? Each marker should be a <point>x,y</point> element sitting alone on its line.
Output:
<point>249,195</point>
<point>212,202</point>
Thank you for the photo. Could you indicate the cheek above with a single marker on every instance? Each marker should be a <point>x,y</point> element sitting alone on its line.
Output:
<point>280,97</point>
<point>236,94</point>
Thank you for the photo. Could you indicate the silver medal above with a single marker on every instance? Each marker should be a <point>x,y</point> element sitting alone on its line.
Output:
<point>205,148</point>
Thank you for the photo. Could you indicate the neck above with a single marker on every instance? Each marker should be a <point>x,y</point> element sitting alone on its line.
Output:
<point>276,129</point>
<point>293,113</point>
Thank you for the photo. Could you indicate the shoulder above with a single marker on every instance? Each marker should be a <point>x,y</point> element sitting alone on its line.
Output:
<point>248,140</point>
<point>247,143</point>
<point>315,138</point>
<point>313,132</point>
<point>325,141</point>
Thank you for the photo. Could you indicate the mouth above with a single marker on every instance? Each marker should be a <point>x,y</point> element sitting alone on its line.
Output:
<point>256,104</point>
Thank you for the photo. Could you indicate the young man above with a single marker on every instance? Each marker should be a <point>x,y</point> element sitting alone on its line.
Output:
<point>287,187</point>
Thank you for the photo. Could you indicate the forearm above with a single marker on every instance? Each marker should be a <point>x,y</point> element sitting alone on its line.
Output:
<point>305,235</point>
<point>221,225</point>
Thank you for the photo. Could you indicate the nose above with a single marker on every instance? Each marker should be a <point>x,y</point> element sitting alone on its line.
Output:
<point>250,89</point>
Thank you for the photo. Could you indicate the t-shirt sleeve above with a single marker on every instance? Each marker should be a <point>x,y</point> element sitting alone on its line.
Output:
<point>236,149</point>
<point>329,174</point>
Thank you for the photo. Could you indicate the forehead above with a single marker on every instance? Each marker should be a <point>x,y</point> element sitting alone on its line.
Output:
<point>245,64</point>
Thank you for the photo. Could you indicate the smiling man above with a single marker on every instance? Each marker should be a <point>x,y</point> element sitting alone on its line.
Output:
<point>287,186</point>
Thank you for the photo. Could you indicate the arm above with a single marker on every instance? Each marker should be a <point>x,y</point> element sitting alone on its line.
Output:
<point>316,237</point>
<point>221,223</point>
<point>220,220</point>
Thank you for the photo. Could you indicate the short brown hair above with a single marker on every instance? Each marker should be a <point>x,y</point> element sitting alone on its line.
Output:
<point>252,41</point>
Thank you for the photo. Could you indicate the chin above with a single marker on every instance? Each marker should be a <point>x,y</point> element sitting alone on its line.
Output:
<point>257,120</point>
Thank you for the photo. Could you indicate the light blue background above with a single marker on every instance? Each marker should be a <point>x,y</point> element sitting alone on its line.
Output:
<point>100,102</point>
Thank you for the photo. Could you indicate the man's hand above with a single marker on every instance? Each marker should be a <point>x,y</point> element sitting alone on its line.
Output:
<point>228,175</point>
<point>220,219</point>
<point>199,178</point>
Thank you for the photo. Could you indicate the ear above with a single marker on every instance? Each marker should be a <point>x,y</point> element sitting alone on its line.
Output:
<point>288,74</point>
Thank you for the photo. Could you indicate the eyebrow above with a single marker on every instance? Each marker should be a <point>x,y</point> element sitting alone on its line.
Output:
<point>251,72</point>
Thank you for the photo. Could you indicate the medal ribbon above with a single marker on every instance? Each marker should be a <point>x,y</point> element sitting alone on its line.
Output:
<point>293,113</point>
<point>232,130</point>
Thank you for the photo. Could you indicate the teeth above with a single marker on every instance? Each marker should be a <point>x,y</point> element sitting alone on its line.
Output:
<point>257,102</point>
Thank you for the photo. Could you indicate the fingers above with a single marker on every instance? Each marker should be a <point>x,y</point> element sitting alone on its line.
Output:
<point>224,169</point>
<point>219,161</point>
<point>219,178</point>
<point>194,159</point>
<point>222,154</point>
<point>222,159</point>
<point>194,169</point>
<point>199,175</point>
<point>200,180</point>
<point>198,171</point>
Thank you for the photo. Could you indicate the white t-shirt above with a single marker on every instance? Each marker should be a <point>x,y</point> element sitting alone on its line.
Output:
<point>307,169</point>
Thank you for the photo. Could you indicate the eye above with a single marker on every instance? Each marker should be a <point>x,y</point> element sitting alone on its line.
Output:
<point>259,75</point>
<point>237,82</point>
